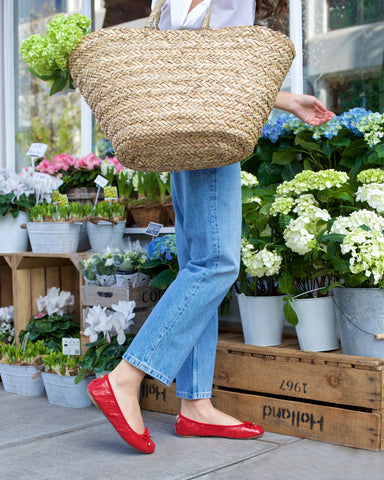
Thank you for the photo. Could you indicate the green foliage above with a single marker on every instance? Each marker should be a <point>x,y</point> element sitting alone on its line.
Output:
<point>103,356</point>
<point>49,212</point>
<point>56,362</point>
<point>10,204</point>
<point>51,330</point>
<point>14,355</point>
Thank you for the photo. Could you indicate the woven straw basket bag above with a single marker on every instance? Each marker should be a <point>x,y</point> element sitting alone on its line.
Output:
<point>181,99</point>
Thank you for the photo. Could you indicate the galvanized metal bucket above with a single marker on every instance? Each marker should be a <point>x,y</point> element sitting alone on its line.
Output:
<point>360,320</point>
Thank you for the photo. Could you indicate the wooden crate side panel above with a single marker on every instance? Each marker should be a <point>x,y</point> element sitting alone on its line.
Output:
<point>67,278</point>
<point>159,398</point>
<point>52,277</point>
<point>299,419</point>
<point>107,296</point>
<point>323,383</point>
<point>6,292</point>
<point>38,287</point>
<point>22,300</point>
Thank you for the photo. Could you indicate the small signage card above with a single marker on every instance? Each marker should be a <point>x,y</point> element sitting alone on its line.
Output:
<point>101,181</point>
<point>110,193</point>
<point>71,346</point>
<point>154,229</point>
<point>37,150</point>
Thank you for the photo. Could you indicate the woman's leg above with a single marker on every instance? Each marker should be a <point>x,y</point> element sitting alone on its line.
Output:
<point>208,210</point>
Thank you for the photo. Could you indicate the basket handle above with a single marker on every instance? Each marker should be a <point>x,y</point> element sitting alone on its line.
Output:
<point>154,17</point>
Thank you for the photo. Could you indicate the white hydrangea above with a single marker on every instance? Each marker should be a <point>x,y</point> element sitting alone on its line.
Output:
<point>345,225</point>
<point>371,175</point>
<point>254,199</point>
<point>297,237</point>
<point>262,263</point>
<point>308,180</point>
<point>373,194</point>
<point>248,180</point>
<point>366,250</point>
<point>281,205</point>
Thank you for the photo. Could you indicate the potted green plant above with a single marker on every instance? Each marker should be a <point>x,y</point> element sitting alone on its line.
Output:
<point>152,189</point>
<point>354,243</point>
<point>127,265</point>
<point>18,193</point>
<point>59,376</point>
<point>55,228</point>
<point>108,331</point>
<point>106,225</point>
<point>162,264</point>
<point>54,320</point>
<point>18,368</point>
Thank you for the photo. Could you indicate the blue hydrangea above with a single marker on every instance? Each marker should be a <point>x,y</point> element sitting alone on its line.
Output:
<point>280,125</point>
<point>162,248</point>
<point>352,118</point>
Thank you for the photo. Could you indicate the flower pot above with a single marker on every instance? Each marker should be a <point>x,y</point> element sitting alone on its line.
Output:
<point>143,215</point>
<point>103,235</point>
<point>262,319</point>
<point>13,238</point>
<point>54,237</point>
<point>18,379</point>
<point>62,390</point>
<point>360,317</point>
<point>316,330</point>
<point>106,280</point>
<point>126,279</point>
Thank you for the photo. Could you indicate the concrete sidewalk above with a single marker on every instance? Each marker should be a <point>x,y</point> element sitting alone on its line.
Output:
<point>40,441</point>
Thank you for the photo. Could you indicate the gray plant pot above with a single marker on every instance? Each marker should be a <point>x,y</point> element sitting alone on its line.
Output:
<point>18,379</point>
<point>63,391</point>
<point>54,237</point>
<point>360,317</point>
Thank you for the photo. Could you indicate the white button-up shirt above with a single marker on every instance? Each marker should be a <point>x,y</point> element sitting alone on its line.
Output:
<point>224,13</point>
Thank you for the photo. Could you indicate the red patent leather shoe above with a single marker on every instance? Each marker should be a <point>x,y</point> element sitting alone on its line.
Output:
<point>189,428</point>
<point>101,394</point>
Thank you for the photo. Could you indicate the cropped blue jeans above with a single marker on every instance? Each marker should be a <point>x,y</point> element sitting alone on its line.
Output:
<point>178,339</point>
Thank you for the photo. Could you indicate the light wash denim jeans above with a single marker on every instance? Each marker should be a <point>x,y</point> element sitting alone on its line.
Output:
<point>178,339</point>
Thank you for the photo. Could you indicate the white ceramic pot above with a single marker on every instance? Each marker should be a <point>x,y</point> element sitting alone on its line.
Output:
<point>262,319</point>
<point>13,238</point>
<point>316,329</point>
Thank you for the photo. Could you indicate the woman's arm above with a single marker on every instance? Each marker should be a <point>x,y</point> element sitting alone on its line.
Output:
<point>306,107</point>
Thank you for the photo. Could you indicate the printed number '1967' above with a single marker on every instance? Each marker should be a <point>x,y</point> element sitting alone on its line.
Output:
<point>298,387</point>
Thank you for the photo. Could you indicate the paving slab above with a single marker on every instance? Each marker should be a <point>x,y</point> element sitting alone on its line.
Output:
<point>305,460</point>
<point>97,452</point>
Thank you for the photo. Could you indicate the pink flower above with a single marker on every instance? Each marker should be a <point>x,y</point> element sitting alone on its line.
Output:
<point>63,162</point>
<point>116,163</point>
<point>89,162</point>
<point>45,166</point>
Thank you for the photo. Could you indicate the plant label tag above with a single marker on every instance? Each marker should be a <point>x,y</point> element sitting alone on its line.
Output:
<point>37,150</point>
<point>25,341</point>
<point>71,346</point>
<point>154,229</point>
<point>110,193</point>
<point>101,181</point>
<point>55,197</point>
<point>42,177</point>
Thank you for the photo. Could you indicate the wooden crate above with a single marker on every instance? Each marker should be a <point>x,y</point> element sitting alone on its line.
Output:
<point>145,298</point>
<point>325,396</point>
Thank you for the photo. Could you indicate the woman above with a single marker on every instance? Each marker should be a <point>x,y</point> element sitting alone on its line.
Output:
<point>179,338</point>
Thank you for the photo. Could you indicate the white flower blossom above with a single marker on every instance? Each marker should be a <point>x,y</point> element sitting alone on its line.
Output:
<point>248,180</point>
<point>373,194</point>
<point>262,263</point>
<point>55,302</point>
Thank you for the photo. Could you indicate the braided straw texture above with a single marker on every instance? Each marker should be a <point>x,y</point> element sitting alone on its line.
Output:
<point>181,99</point>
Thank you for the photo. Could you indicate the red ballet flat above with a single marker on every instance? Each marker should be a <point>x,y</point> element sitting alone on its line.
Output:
<point>101,394</point>
<point>189,428</point>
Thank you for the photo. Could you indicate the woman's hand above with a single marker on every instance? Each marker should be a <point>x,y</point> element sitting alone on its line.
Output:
<point>306,107</point>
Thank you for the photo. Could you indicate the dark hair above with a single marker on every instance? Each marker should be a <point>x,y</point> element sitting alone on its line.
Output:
<point>269,8</point>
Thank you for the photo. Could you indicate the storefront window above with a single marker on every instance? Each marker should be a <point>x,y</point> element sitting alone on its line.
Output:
<point>344,52</point>
<point>40,118</point>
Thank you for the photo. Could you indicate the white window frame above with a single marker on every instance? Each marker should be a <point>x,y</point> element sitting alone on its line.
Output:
<point>8,57</point>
